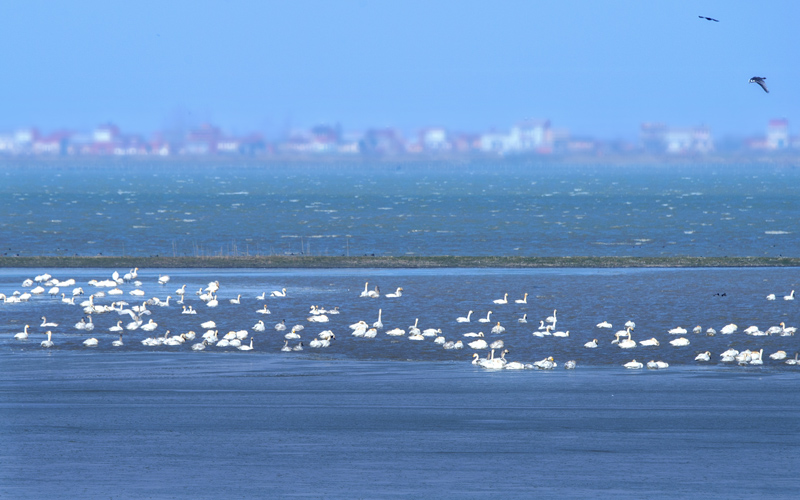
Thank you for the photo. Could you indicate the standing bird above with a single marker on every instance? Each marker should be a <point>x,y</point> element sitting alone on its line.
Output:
<point>760,80</point>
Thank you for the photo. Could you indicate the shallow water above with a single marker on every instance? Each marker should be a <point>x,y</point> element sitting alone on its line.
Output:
<point>172,425</point>
<point>657,300</point>
<point>391,417</point>
<point>493,209</point>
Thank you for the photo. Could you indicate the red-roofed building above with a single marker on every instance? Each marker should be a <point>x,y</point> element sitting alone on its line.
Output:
<point>778,134</point>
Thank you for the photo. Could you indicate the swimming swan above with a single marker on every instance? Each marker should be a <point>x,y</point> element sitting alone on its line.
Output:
<point>464,319</point>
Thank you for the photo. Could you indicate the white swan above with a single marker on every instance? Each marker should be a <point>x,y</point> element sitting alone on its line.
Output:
<point>651,342</point>
<point>703,356</point>
<point>200,346</point>
<point>778,355</point>
<point>259,327</point>
<point>497,344</point>
<point>149,326</point>
<point>91,342</point>
<point>633,365</point>
<point>286,347</point>
<point>523,300</point>
<point>49,341</point>
<point>397,293</point>
<point>604,324</point>
<point>320,343</point>
<point>794,361</point>
<point>213,302</point>
<point>118,343</point>
<point>628,343</point>
<point>523,319</point>
<point>729,329</point>
<point>771,296</point>
<point>207,325</point>
<point>464,319</point>
<point>677,331</point>
<point>237,300</point>
<point>561,334</point>
<point>117,328</point>
<point>23,334</point>
<point>163,280</point>
<point>431,332</point>
<point>374,294</point>
<point>473,334</point>
<point>498,328</point>
<point>264,310</point>
<point>789,297</point>
<point>365,293</point>
<point>487,319</point>
<point>552,319</point>
<point>379,323</point>
<point>45,323</point>
<point>680,342</point>
<point>504,300</point>
<point>592,344</point>
<point>546,364</point>
<point>277,293</point>
<point>478,344</point>
<point>298,347</point>
<point>630,324</point>
<point>396,332</point>
<point>246,347</point>
<point>657,365</point>
<point>262,297</point>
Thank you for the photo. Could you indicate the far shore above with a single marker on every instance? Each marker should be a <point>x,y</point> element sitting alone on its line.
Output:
<point>378,262</point>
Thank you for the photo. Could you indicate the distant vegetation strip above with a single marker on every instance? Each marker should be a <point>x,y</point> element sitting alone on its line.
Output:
<point>320,262</point>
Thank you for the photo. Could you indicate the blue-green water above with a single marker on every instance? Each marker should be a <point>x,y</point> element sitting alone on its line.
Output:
<point>533,210</point>
<point>390,416</point>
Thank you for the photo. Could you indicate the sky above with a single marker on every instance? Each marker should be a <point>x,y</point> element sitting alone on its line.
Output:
<point>597,68</point>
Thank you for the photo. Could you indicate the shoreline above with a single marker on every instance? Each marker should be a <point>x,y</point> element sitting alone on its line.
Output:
<point>404,262</point>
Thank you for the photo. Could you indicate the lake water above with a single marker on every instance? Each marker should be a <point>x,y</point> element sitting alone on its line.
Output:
<point>390,416</point>
<point>498,209</point>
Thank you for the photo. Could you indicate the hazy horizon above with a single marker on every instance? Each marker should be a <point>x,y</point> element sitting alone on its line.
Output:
<point>597,69</point>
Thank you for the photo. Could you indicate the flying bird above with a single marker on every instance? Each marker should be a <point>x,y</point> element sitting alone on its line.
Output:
<point>760,80</point>
<point>709,18</point>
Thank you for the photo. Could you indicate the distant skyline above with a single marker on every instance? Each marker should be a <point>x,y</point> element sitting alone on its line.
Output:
<point>597,68</point>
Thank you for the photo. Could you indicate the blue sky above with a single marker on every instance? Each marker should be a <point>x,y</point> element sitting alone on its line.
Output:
<point>597,68</point>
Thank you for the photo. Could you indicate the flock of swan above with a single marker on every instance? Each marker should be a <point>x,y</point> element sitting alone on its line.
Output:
<point>142,316</point>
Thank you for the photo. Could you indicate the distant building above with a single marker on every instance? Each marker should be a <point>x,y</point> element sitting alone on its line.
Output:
<point>657,138</point>
<point>777,138</point>
<point>434,139</point>
<point>106,133</point>
<point>383,141</point>
<point>778,134</point>
<point>530,136</point>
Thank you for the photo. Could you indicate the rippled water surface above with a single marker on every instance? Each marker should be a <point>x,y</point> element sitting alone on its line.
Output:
<point>390,416</point>
<point>495,209</point>
<point>657,300</point>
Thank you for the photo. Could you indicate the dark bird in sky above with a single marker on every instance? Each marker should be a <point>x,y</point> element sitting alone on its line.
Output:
<point>709,18</point>
<point>760,80</point>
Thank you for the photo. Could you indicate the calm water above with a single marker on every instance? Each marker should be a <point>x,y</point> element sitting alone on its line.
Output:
<point>170,425</point>
<point>398,210</point>
<point>392,417</point>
